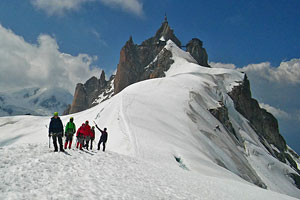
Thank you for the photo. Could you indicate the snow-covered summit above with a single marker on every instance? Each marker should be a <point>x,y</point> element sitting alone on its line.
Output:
<point>177,149</point>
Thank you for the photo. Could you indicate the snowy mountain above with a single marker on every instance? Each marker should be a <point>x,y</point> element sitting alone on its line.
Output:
<point>34,101</point>
<point>164,143</point>
<point>138,62</point>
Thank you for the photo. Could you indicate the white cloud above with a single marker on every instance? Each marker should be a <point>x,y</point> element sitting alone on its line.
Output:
<point>286,72</point>
<point>131,6</point>
<point>278,113</point>
<point>279,86</point>
<point>59,7</point>
<point>222,65</point>
<point>42,64</point>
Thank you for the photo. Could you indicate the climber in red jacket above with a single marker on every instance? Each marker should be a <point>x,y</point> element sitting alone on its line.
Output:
<point>80,136</point>
<point>87,134</point>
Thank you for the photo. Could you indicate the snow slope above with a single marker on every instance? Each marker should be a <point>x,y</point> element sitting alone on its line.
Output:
<point>162,144</point>
<point>46,175</point>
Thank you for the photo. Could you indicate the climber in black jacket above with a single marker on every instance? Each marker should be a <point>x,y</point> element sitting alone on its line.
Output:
<point>103,137</point>
<point>56,130</point>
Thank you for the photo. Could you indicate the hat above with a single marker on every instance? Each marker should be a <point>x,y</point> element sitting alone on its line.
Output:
<point>71,118</point>
<point>55,114</point>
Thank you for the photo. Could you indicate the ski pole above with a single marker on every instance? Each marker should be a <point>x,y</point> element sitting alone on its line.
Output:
<point>49,137</point>
<point>50,141</point>
<point>76,142</point>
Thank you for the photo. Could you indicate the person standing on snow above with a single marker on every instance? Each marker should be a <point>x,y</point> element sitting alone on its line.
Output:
<point>80,136</point>
<point>69,132</point>
<point>56,130</point>
<point>87,134</point>
<point>103,137</point>
<point>92,136</point>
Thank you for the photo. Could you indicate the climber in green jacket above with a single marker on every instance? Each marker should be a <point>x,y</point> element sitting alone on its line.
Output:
<point>69,132</point>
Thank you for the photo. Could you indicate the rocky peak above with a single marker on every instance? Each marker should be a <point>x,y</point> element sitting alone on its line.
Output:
<point>136,63</point>
<point>135,59</point>
<point>165,33</point>
<point>128,67</point>
<point>79,101</point>
<point>86,94</point>
<point>264,122</point>
<point>130,42</point>
<point>194,47</point>
<point>102,81</point>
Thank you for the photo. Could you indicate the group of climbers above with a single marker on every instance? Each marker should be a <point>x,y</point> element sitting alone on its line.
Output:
<point>85,134</point>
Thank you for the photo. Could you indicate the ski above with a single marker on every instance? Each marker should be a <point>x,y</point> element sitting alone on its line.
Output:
<point>66,153</point>
<point>85,151</point>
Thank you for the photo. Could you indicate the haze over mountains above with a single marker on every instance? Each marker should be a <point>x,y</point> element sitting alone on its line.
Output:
<point>34,101</point>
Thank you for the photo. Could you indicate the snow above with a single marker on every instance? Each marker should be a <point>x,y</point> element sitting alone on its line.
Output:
<point>150,124</point>
<point>162,38</point>
<point>107,94</point>
<point>34,100</point>
<point>42,174</point>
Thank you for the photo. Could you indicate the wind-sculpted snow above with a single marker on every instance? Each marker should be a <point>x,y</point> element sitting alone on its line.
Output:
<point>32,171</point>
<point>163,143</point>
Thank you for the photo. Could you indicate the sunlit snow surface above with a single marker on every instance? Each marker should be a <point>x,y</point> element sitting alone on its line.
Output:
<point>150,124</point>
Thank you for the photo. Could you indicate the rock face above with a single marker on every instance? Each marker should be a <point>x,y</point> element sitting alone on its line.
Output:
<point>86,94</point>
<point>194,47</point>
<point>135,59</point>
<point>221,113</point>
<point>137,63</point>
<point>150,59</point>
<point>265,123</point>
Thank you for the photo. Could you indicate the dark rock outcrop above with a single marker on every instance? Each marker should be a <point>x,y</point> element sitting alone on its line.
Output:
<point>296,179</point>
<point>80,100</point>
<point>194,47</point>
<point>86,94</point>
<point>137,63</point>
<point>221,113</point>
<point>157,68</point>
<point>265,123</point>
<point>135,60</point>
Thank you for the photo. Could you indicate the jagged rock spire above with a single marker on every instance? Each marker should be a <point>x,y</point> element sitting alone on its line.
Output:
<point>167,33</point>
<point>166,19</point>
<point>130,39</point>
<point>194,47</point>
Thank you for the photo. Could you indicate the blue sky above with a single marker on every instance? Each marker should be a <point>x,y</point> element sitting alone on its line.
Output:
<point>260,37</point>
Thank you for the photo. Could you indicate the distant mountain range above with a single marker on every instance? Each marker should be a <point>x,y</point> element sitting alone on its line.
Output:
<point>34,101</point>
